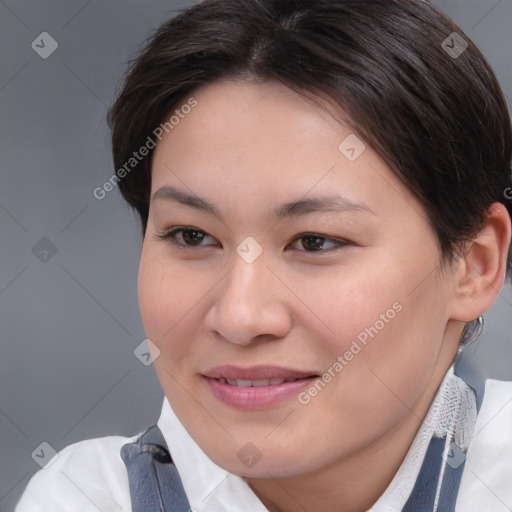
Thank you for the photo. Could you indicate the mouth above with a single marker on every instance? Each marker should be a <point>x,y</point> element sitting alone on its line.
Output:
<point>260,373</point>
<point>242,383</point>
<point>256,388</point>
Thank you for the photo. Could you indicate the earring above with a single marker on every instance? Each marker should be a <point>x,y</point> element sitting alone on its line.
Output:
<point>472,331</point>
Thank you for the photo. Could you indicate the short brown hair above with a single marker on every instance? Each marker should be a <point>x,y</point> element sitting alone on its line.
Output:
<point>439,120</point>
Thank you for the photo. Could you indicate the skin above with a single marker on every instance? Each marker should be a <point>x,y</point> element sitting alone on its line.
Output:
<point>247,148</point>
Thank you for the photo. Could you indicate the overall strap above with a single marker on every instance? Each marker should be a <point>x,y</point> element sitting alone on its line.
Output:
<point>422,498</point>
<point>155,484</point>
<point>438,482</point>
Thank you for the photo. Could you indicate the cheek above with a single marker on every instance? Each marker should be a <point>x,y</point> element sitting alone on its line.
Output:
<point>379,332</point>
<point>168,300</point>
<point>343,305</point>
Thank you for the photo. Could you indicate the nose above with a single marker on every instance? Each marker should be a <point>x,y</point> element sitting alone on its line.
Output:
<point>249,304</point>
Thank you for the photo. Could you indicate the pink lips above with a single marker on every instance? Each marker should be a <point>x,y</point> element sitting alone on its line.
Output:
<point>258,387</point>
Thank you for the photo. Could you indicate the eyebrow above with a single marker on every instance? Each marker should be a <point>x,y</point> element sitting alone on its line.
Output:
<point>335,203</point>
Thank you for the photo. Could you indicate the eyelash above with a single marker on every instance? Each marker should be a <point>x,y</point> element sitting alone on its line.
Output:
<point>170,237</point>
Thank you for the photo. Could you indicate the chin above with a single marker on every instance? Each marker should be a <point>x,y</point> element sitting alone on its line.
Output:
<point>274,466</point>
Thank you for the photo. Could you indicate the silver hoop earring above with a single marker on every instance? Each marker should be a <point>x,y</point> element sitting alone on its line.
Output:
<point>472,331</point>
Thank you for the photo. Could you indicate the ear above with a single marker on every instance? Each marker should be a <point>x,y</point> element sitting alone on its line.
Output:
<point>480,273</point>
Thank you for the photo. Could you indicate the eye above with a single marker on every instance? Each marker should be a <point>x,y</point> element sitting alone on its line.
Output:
<point>184,236</point>
<point>189,237</point>
<point>313,242</point>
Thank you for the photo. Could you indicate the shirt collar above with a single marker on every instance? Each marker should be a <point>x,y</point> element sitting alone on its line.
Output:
<point>208,486</point>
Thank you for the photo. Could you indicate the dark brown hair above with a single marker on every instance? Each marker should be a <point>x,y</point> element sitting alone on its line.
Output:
<point>438,119</point>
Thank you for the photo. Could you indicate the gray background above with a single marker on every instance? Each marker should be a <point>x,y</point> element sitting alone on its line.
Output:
<point>69,325</point>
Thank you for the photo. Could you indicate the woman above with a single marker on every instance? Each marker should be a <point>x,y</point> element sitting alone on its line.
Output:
<point>324,194</point>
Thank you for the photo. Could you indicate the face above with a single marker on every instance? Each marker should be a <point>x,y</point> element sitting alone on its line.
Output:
<point>291,253</point>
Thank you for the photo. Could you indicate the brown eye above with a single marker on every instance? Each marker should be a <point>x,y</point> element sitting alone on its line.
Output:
<point>192,236</point>
<point>184,237</point>
<point>313,242</point>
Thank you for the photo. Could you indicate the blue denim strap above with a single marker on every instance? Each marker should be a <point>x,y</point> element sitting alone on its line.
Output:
<point>155,484</point>
<point>442,469</point>
<point>422,498</point>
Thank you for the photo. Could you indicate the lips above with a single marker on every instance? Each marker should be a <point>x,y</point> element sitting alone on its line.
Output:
<point>256,383</point>
<point>257,373</point>
<point>258,387</point>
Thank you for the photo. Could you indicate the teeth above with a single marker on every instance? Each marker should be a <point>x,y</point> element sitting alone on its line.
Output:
<point>261,382</point>
<point>256,383</point>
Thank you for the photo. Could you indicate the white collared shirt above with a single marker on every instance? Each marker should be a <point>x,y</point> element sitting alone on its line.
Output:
<point>91,475</point>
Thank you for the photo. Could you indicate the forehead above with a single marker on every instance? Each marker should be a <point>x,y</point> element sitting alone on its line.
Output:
<point>236,113</point>
<point>267,142</point>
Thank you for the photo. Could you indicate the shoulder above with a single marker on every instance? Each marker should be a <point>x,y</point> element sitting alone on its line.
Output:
<point>487,474</point>
<point>497,389</point>
<point>494,421</point>
<point>88,476</point>
<point>496,410</point>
